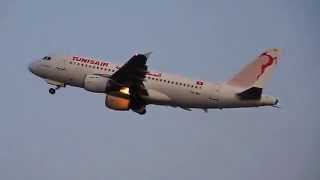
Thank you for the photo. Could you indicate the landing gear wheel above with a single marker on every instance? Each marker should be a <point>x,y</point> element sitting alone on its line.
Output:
<point>143,112</point>
<point>52,91</point>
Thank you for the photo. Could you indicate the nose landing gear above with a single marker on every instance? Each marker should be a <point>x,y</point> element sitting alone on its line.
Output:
<point>53,90</point>
<point>54,85</point>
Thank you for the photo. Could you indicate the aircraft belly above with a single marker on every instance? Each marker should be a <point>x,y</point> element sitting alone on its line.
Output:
<point>157,97</point>
<point>175,97</point>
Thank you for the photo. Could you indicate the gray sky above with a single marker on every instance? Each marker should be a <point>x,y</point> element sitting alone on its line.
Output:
<point>72,136</point>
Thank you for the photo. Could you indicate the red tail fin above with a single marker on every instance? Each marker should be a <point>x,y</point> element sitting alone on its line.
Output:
<point>258,72</point>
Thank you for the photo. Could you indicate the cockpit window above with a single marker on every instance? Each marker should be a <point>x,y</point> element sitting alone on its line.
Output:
<point>48,58</point>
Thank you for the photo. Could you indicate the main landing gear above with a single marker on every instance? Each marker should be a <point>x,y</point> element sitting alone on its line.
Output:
<point>142,110</point>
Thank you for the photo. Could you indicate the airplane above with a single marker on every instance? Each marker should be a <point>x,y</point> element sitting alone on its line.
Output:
<point>132,86</point>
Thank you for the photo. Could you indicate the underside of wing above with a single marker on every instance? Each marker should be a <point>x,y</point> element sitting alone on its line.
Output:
<point>131,76</point>
<point>132,73</point>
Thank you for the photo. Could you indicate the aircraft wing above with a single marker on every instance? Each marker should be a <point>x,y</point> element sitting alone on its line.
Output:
<point>133,72</point>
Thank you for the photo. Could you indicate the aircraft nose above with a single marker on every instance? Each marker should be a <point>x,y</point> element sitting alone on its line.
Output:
<point>31,67</point>
<point>34,68</point>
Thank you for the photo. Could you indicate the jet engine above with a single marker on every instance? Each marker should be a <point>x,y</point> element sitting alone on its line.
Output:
<point>117,103</point>
<point>97,84</point>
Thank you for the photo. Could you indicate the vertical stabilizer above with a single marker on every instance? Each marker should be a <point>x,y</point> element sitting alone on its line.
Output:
<point>258,72</point>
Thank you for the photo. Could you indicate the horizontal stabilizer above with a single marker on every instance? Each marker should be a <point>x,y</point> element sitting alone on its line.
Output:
<point>187,109</point>
<point>251,93</point>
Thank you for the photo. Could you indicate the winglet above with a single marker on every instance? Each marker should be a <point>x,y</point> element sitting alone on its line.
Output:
<point>148,54</point>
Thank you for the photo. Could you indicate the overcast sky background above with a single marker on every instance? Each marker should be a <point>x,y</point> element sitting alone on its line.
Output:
<point>72,136</point>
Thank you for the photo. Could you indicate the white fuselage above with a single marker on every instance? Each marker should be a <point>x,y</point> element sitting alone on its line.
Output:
<point>163,88</point>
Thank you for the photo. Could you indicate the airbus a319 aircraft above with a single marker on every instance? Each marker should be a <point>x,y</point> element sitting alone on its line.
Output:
<point>132,86</point>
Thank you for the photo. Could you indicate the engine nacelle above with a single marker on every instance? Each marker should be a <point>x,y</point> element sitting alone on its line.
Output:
<point>117,103</point>
<point>95,83</point>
